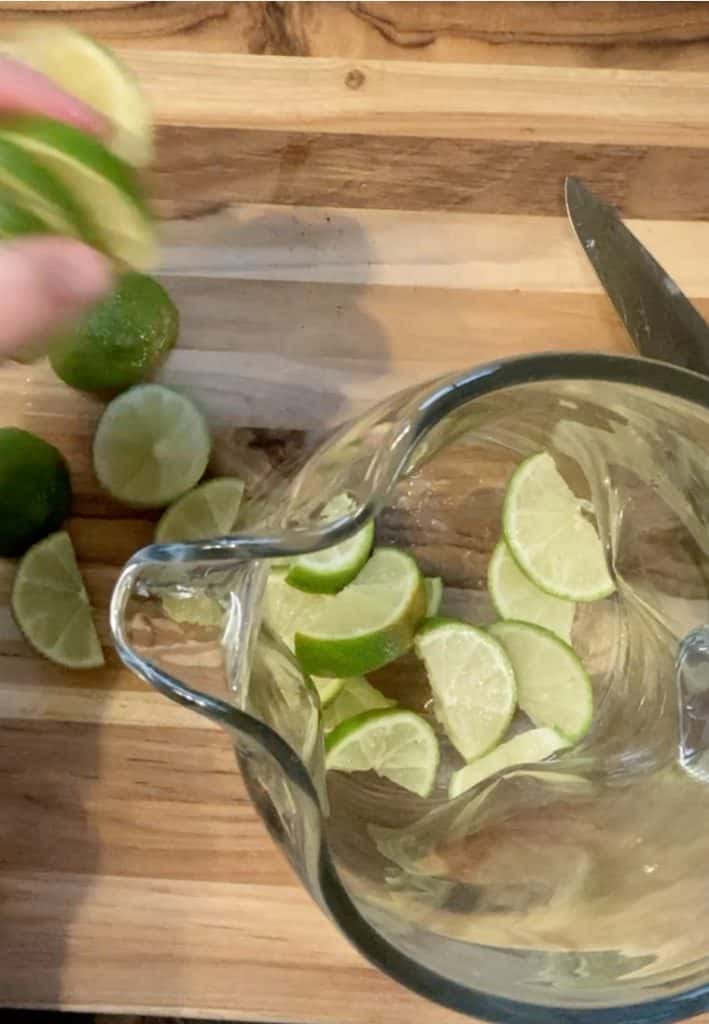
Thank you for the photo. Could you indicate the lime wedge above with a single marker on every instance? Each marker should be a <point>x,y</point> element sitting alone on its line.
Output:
<point>151,445</point>
<point>434,595</point>
<point>472,682</point>
<point>396,744</point>
<point>51,606</point>
<point>369,623</point>
<point>210,510</point>
<point>553,687</point>
<point>82,67</point>
<point>328,571</point>
<point>195,609</point>
<point>26,182</point>
<point>516,597</point>
<point>549,536</point>
<point>356,696</point>
<point>105,187</point>
<point>15,221</point>
<point>285,608</point>
<point>526,748</point>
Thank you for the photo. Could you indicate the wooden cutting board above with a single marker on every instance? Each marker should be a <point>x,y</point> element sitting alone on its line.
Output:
<point>356,197</point>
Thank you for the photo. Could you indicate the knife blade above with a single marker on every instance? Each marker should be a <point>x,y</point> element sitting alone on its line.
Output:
<point>658,316</point>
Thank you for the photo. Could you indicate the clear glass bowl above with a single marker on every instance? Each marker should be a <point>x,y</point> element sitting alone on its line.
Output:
<point>574,890</point>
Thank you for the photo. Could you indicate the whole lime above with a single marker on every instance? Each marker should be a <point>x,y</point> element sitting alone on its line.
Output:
<point>120,340</point>
<point>35,490</point>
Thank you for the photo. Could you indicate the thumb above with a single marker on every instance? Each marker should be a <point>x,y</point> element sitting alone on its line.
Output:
<point>46,282</point>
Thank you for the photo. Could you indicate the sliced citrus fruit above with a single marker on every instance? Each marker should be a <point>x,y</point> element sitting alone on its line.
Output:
<point>472,682</point>
<point>549,535</point>
<point>369,623</point>
<point>328,571</point>
<point>40,193</point>
<point>396,744</point>
<point>210,510</point>
<point>553,687</point>
<point>525,748</point>
<point>434,595</point>
<point>51,606</point>
<point>357,695</point>
<point>516,597</point>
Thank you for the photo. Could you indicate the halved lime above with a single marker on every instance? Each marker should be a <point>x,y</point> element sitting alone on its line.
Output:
<point>553,687</point>
<point>285,609</point>
<point>36,190</point>
<point>210,510</point>
<point>396,744</point>
<point>120,340</point>
<point>93,74</point>
<point>35,490</point>
<point>516,597</point>
<point>105,187</point>
<point>369,623</point>
<point>472,681</point>
<point>434,595</point>
<point>526,748</point>
<point>357,695</point>
<point>549,535</point>
<point>328,571</point>
<point>151,445</point>
<point>51,606</point>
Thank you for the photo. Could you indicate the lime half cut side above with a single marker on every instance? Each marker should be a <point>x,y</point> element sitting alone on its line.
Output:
<point>151,445</point>
<point>472,681</point>
<point>525,748</point>
<point>553,687</point>
<point>369,623</point>
<point>549,535</point>
<point>516,597</point>
<point>396,744</point>
<point>51,606</point>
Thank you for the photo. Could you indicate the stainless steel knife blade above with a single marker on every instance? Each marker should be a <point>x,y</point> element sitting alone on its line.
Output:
<point>659,317</point>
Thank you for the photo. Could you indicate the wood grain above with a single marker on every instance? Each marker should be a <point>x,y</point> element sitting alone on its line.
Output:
<point>355,197</point>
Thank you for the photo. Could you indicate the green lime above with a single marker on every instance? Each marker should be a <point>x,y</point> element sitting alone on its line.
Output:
<point>553,687</point>
<point>195,609</point>
<point>120,340</point>
<point>357,695</point>
<point>26,182</point>
<point>516,597</point>
<point>369,623</point>
<point>396,744</point>
<point>434,595</point>
<point>151,445</point>
<point>16,221</point>
<point>328,571</point>
<point>35,490</point>
<point>87,70</point>
<point>472,681</point>
<point>106,188</point>
<point>210,510</point>
<point>526,748</point>
<point>51,606</point>
<point>549,535</point>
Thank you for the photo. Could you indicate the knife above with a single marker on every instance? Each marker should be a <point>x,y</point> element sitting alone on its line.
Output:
<point>658,316</point>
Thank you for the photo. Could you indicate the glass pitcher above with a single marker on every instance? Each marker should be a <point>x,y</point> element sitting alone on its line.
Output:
<point>571,890</point>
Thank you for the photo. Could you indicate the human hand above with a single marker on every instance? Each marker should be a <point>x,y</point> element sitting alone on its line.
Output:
<point>45,281</point>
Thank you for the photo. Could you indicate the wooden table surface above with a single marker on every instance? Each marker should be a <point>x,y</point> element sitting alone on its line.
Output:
<point>356,196</point>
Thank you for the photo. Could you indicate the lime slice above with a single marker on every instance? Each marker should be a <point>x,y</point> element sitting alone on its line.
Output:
<point>472,682</point>
<point>26,182</point>
<point>434,595</point>
<point>553,687</point>
<point>526,748</point>
<point>106,187</point>
<point>195,609</point>
<point>210,510</point>
<point>356,696</point>
<point>120,340</point>
<point>285,608</point>
<point>35,490</point>
<point>328,571</point>
<point>516,597</point>
<point>15,221</point>
<point>396,744</point>
<point>151,445</point>
<point>369,623</point>
<point>51,606</point>
<point>93,74</point>
<point>549,536</point>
